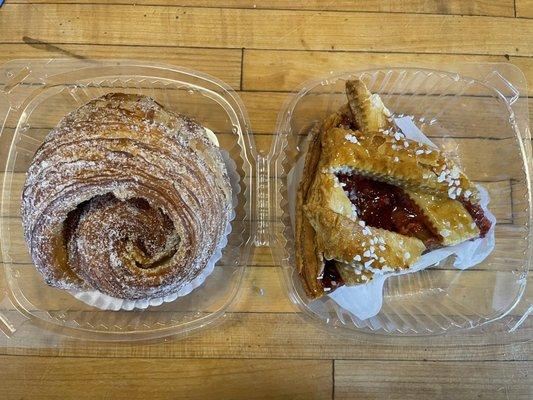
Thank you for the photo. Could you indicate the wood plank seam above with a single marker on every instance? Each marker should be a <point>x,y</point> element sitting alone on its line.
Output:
<point>192,358</point>
<point>288,92</point>
<point>242,68</point>
<point>325,50</point>
<point>398,360</point>
<point>34,352</point>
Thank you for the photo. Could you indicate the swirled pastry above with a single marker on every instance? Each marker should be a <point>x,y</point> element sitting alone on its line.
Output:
<point>126,198</point>
<point>372,201</point>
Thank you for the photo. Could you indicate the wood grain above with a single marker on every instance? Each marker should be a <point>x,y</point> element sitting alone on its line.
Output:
<point>524,8</point>
<point>526,66</point>
<point>225,64</point>
<point>287,70</point>
<point>406,380</point>
<point>474,7</point>
<point>238,28</point>
<point>481,159</point>
<point>160,379</point>
<point>264,107</point>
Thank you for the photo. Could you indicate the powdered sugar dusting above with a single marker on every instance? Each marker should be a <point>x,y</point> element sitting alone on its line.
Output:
<point>125,198</point>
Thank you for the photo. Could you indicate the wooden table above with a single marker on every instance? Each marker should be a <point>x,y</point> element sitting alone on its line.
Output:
<point>265,49</point>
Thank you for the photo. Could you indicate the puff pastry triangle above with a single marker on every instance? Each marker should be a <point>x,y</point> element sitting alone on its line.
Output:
<point>372,201</point>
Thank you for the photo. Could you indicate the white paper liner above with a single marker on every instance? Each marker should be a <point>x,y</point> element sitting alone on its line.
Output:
<point>103,301</point>
<point>365,300</point>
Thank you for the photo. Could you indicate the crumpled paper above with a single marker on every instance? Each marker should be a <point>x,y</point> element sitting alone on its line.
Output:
<point>365,300</point>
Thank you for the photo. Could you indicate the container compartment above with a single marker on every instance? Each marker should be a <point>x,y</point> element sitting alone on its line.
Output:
<point>482,125</point>
<point>38,94</point>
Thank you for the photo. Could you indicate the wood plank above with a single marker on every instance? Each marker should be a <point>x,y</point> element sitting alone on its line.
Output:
<point>405,380</point>
<point>225,64</point>
<point>526,66</point>
<point>474,7</point>
<point>524,8</point>
<point>287,70</point>
<point>491,121</point>
<point>238,28</point>
<point>263,335</point>
<point>47,114</point>
<point>89,378</point>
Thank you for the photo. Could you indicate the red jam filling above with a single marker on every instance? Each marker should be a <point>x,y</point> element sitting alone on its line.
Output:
<point>477,214</point>
<point>388,207</point>
<point>331,279</point>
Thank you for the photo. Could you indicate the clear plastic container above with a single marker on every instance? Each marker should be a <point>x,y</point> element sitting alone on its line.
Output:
<point>35,95</point>
<point>482,121</point>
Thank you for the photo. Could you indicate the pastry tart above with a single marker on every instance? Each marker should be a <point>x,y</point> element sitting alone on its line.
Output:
<point>372,201</point>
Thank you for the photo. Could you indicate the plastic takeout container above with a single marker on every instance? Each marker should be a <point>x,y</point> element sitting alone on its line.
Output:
<point>482,124</point>
<point>35,96</point>
<point>480,121</point>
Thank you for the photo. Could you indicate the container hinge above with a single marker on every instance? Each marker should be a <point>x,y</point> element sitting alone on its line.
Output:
<point>262,236</point>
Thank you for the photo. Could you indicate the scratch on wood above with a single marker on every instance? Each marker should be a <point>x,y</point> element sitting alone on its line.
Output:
<point>41,45</point>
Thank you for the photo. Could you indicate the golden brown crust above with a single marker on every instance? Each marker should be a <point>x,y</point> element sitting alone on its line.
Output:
<point>369,112</point>
<point>343,239</point>
<point>309,261</point>
<point>309,257</point>
<point>394,159</point>
<point>449,217</point>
